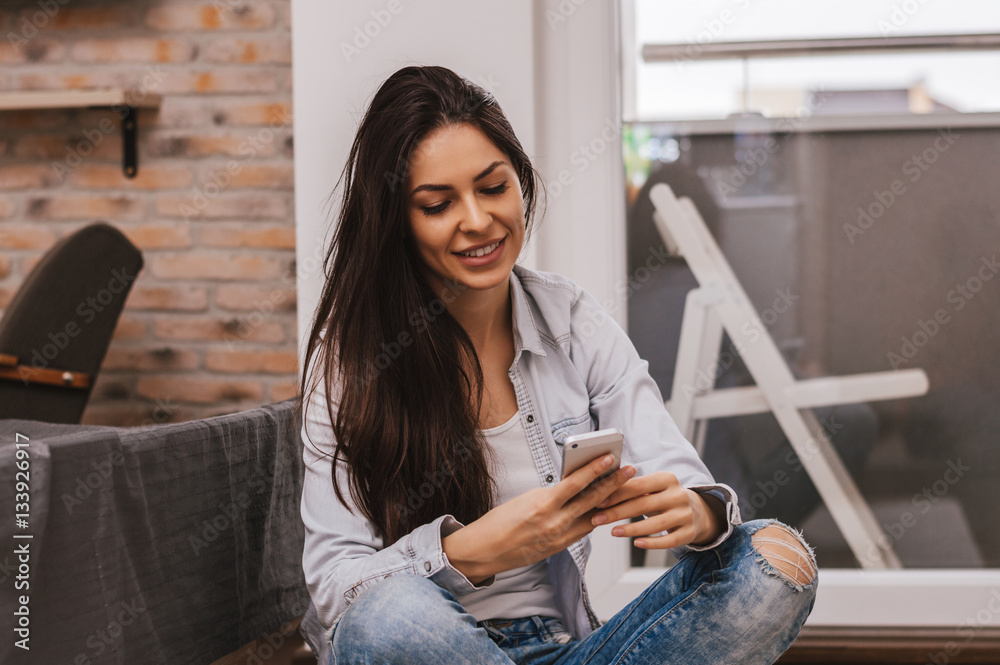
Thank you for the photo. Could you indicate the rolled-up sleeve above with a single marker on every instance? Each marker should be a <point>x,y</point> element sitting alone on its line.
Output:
<point>624,395</point>
<point>343,555</point>
<point>726,496</point>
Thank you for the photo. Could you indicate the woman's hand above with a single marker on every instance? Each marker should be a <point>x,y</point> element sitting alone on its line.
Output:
<point>683,513</point>
<point>534,525</point>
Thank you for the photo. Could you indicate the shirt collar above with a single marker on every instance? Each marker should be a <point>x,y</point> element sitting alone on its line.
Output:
<point>526,335</point>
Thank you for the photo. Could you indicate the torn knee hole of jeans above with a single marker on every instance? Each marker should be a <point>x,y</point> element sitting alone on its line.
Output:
<point>787,555</point>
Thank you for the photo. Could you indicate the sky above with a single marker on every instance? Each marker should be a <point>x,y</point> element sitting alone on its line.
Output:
<point>968,81</point>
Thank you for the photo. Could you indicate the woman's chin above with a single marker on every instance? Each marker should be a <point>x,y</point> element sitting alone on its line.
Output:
<point>485,277</point>
<point>484,281</point>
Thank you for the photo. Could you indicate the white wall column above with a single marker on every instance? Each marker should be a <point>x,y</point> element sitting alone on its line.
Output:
<point>579,146</point>
<point>342,52</point>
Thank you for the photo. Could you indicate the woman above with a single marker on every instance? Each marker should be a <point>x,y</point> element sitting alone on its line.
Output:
<point>443,379</point>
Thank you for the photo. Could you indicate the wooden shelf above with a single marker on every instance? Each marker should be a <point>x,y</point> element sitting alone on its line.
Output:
<point>122,100</point>
<point>65,99</point>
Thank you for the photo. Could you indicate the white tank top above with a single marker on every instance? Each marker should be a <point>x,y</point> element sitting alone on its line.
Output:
<point>527,590</point>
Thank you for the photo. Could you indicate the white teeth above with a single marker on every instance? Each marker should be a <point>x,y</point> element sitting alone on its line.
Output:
<point>482,251</point>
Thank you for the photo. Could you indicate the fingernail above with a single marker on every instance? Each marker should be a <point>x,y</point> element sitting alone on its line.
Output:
<point>618,531</point>
<point>604,504</point>
<point>629,472</point>
<point>640,543</point>
<point>608,460</point>
<point>599,520</point>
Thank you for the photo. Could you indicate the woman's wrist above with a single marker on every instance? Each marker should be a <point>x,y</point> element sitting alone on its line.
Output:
<point>463,559</point>
<point>710,516</point>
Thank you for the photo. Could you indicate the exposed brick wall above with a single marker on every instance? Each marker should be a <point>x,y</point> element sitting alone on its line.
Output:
<point>210,324</point>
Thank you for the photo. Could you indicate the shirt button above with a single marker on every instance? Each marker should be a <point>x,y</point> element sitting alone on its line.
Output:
<point>427,566</point>
<point>549,478</point>
<point>530,418</point>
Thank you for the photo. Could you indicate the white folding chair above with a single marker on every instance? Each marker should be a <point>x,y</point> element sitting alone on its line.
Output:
<point>720,305</point>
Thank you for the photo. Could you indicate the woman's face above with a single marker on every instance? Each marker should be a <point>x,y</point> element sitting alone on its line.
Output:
<point>465,209</point>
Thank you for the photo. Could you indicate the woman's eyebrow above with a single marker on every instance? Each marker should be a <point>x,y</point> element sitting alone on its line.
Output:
<point>488,170</point>
<point>443,188</point>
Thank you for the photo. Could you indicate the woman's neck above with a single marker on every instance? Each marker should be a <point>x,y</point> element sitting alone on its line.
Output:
<point>485,315</point>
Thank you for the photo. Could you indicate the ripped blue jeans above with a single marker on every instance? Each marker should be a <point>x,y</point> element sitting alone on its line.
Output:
<point>741,602</point>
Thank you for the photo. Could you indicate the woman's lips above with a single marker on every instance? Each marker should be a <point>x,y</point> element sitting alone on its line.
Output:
<point>485,258</point>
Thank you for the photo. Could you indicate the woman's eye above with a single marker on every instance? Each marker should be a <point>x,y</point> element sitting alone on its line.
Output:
<point>494,191</point>
<point>434,210</point>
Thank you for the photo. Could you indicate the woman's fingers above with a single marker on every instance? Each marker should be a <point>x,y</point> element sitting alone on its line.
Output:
<point>642,496</point>
<point>646,504</point>
<point>669,541</point>
<point>656,482</point>
<point>633,488</point>
<point>668,521</point>
<point>585,500</point>
<point>572,485</point>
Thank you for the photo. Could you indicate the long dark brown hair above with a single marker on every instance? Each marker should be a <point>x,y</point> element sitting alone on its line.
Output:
<point>405,373</point>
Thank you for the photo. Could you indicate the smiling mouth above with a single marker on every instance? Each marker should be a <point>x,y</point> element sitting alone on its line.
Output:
<point>482,251</point>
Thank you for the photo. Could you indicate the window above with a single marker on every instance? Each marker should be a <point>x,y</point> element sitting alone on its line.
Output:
<point>855,190</point>
<point>688,85</point>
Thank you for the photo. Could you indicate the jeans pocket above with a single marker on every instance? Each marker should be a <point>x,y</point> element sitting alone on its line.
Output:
<point>555,631</point>
<point>561,637</point>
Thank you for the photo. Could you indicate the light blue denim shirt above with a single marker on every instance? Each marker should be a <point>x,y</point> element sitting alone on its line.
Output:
<point>575,370</point>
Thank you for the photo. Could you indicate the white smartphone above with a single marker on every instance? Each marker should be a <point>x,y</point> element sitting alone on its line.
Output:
<point>580,449</point>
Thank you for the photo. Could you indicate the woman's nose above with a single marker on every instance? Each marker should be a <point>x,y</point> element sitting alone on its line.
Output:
<point>476,219</point>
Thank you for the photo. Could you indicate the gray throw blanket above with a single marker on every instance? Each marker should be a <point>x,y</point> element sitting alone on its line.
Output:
<point>170,544</point>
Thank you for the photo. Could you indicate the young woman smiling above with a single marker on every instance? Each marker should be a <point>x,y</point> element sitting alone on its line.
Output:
<point>442,380</point>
